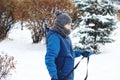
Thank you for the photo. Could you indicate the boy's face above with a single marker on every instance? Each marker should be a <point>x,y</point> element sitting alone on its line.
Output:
<point>68,26</point>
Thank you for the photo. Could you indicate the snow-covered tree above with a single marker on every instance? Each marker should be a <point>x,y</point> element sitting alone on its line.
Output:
<point>94,24</point>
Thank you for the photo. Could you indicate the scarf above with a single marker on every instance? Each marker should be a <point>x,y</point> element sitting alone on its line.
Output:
<point>61,30</point>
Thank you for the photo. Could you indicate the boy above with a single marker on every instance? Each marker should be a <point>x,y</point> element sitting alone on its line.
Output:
<point>60,55</point>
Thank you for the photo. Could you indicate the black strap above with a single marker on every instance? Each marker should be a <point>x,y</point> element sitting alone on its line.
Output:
<point>87,69</point>
<point>65,78</point>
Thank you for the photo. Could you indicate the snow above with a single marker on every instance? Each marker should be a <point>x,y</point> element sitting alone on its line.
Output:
<point>30,58</point>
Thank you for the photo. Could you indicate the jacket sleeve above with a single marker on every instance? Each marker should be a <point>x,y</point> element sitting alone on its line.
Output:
<point>53,48</point>
<point>78,53</point>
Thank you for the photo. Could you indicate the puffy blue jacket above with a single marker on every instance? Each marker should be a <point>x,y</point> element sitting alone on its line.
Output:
<point>60,56</point>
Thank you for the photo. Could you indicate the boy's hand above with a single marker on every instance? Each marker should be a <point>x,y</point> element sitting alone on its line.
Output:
<point>86,53</point>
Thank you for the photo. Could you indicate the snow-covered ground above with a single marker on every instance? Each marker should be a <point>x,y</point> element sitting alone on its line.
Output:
<point>30,58</point>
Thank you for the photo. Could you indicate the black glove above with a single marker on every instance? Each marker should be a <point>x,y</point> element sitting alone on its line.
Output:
<point>86,53</point>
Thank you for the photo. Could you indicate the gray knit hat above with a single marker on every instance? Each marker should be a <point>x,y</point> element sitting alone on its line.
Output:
<point>62,19</point>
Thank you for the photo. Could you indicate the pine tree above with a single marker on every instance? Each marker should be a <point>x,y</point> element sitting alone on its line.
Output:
<point>94,24</point>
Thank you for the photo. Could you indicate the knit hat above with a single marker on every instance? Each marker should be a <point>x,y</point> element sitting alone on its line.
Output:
<point>62,19</point>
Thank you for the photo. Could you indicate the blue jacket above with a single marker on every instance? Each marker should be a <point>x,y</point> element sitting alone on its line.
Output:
<point>60,56</point>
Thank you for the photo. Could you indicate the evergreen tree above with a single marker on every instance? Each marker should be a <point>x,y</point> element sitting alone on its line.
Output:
<point>94,24</point>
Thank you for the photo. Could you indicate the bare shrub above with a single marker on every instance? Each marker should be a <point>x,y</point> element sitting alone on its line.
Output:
<point>7,64</point>
<point>118,14</point>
